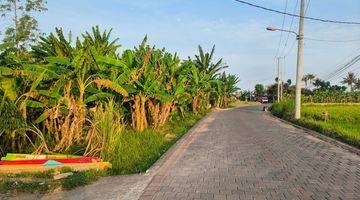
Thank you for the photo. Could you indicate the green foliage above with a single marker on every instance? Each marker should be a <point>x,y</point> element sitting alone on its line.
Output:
<point>204,63</point>
<point>283,109</point>
<point>332,96</point>
<point>259,90</point>
<point>81,178</point>
<point>44,181</point>
<point>85,97</point>
<point>134,153</point>
<point>129,152</point>
<point>308,79</point>
<point>343,123</point>
<point>11,136</point>
<point>107,127</point>
<point>24,28</point>
<point>350,80</point>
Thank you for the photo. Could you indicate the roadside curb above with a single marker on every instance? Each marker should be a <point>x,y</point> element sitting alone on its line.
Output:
<point>163,164</point>
<point>320,136</point>
<point>170,151</point>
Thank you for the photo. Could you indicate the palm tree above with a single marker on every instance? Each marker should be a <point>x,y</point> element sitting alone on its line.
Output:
<point>357,84</point>
<point>308,79</point>
<point>350,80</point>
<point>311,78</point>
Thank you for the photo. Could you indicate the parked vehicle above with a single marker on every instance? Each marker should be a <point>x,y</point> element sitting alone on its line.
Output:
<point>263,100</point>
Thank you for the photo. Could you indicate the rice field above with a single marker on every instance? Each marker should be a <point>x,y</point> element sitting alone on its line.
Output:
<point>343,119</point>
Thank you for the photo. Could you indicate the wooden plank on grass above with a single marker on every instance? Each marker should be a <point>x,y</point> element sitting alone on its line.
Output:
<point>41,168</point>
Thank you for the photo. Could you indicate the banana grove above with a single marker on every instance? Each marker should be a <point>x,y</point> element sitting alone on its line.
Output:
<point>64,96</point>
<point>332,97</point>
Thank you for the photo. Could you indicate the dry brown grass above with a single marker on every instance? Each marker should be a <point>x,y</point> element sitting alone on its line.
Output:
<point>238,104</point>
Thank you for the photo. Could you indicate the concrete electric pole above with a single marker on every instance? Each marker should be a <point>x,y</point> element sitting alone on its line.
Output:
<point>281,76</point>
<point>278,79</point>
<point>281,86</point>
<point>299,37</point>
<point>299,63</point>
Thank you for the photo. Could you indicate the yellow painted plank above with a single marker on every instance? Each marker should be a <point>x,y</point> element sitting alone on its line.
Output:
<point>15,156</point>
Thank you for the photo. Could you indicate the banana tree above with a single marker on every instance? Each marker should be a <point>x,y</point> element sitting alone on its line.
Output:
<point>63,98</point>
<point>134,77</point>
<point>199,87</point>
<point>204,63</point>
<point>225,86</point>
<point>170,91</point>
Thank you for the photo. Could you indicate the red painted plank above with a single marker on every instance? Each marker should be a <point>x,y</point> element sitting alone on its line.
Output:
<point>42,161</point>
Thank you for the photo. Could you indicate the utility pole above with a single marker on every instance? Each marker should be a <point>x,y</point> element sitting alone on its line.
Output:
<point>281,86</point>
<point>278,79</point>
<point>250,90</point>
<point>299,63</point>
<point>282,79</point>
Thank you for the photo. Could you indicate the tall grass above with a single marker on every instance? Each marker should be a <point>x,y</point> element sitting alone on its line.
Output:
<point>132,152</point>
<point>107,127</point>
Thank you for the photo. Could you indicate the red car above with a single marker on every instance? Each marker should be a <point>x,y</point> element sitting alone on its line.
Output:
<point>263,100</point>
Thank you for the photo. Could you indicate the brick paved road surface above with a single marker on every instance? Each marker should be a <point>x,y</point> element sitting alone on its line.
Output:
<point>246,154</point>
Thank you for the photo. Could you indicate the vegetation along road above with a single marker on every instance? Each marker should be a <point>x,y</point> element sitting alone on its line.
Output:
<point>239,153</point>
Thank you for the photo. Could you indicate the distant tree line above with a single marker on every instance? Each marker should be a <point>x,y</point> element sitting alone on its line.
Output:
<point>315,90</point>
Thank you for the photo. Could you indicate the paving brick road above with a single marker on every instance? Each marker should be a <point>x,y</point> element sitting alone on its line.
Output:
<point>246,154</point>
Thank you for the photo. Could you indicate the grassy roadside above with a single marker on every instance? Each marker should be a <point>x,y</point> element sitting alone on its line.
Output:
<point>135,153</point>
<point>343,123</point>
<point>132,153</point>
<point>238,104</point>
<point>44,181</point>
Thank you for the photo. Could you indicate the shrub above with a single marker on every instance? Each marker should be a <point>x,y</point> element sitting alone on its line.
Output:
<point>284,109</point>
<point>11,121</point>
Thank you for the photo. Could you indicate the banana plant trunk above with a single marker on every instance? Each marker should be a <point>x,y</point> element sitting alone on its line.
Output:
<point>195,104</point>
<point>159,113</point>
<point>139,120</point>
<point>165,112</point>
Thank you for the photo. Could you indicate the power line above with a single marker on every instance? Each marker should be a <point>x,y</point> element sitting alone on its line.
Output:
<point>307,6</point>
<point>290,28</point>
<point>259,80</point>
<point>295,15</point>
<point>291,49</point>
<point>338,72</point>
<point>292,20</point>
<point>321,40</point>
<point>348,65</point>
<point>282,27</point>
<point>341,63</point>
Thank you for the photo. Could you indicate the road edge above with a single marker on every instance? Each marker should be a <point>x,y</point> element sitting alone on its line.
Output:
<point>161,166</point>
<point>169,152</point>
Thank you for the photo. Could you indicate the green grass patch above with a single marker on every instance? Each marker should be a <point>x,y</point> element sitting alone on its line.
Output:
<point>44,181</point>
<point>134,152</point>
<point>343,124</point>
<point>131,152</point>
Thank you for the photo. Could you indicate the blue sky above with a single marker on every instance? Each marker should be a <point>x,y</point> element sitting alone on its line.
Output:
<point>237,30</point>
